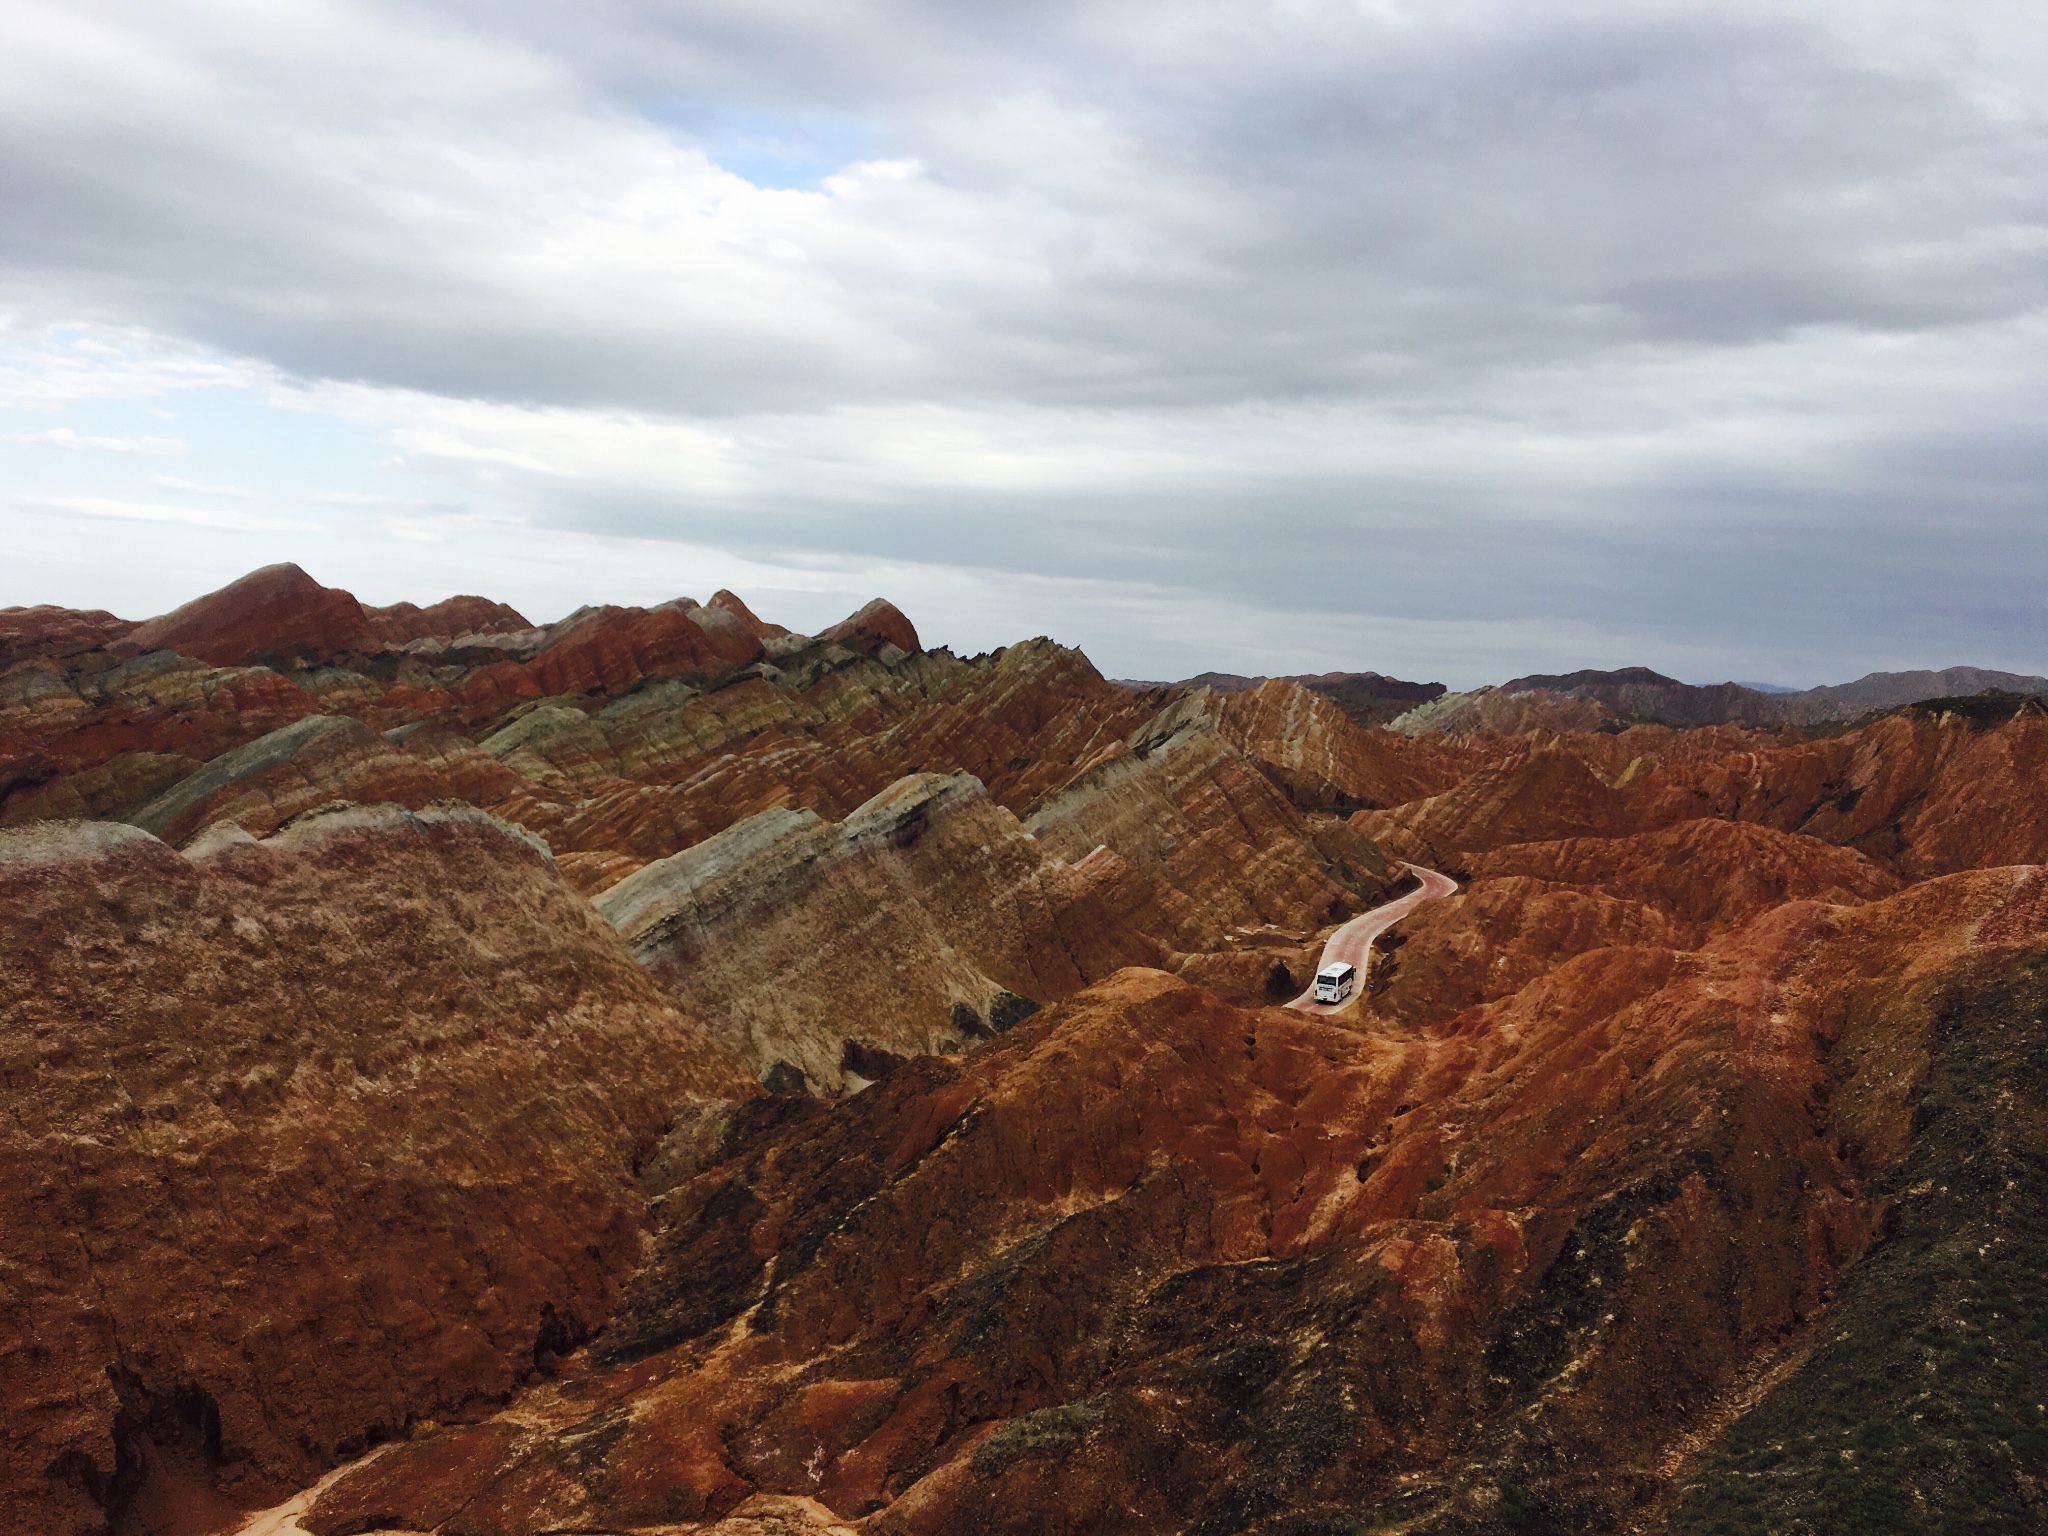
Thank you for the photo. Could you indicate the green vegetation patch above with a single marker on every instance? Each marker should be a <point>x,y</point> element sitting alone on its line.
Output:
<point>1048,1432</point>
<point>1925,1408</point>
<point>1994,706</point>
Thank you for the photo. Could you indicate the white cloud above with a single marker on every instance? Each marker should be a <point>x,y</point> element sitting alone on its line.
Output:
<point>63,364</point>
<point>193,487</point>
<point>64,437</point>
<point>161,512</point>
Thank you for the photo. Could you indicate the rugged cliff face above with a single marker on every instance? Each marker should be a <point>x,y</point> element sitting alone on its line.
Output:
<point>927,920</point>
<point>1921,792</point>
<point>1179,802</point>
<point>308,1139</point>
<point>1152,1263</point>
<point>1151,840</point>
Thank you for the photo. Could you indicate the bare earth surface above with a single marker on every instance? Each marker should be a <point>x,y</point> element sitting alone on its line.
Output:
<point>656,1074</point>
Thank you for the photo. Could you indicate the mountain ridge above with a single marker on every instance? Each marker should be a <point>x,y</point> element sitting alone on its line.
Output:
<point>655,1072</point>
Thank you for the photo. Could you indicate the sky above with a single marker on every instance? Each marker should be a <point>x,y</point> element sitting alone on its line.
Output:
<point>1453,340</point>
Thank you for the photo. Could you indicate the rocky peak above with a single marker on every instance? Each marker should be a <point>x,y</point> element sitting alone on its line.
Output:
<point>276,612</point>
<point>730,603</point>
<point>880,622</point>
<point>449,619</point>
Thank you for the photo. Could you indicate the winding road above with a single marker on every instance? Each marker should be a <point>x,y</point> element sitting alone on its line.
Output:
<point>1353,942</point>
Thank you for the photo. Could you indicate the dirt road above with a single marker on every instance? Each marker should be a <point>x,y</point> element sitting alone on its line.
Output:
<point>1353,941</point>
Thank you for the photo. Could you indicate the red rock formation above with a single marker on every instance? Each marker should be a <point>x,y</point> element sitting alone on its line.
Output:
<point>1708,875</point>
<point>1370,698</point>
<point>1927,795</point>
<point>1922,794</point>
<point>47,630</point>
<point>730,603</point>
<point>445,620</point>
<point>1532,906</point>
<point>1323,757</point>
<point>323,758</point>
<point>1530,794</point>
<point>278,611</point>
<point>1504,712</point>
<point>610,650</point>
<point>670,766</point>
<point>879,623</point>
<point>1612,1127</point>
<point>97,738</point>
<point>902,929</point>
<point>1184,807</point>
<point>307,1139</point>
<point>1637,693</point>
<point>1207,1269</point>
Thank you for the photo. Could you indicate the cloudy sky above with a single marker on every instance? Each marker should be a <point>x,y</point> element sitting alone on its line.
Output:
<point>1453,339</point>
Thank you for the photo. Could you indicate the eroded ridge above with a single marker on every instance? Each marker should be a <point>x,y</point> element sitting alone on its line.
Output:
<point>658,1072</point>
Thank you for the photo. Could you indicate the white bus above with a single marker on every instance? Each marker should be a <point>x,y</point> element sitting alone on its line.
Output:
<point>1334,981</point>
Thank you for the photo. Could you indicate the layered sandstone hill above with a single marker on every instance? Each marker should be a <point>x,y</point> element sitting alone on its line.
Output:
<point>1210,819</point>
<point>926,920</point>
<point>1531,906</point>
<point>931,908</point>
<point>308,1139</point>
<point>1922,792</point>
<point>278,612</point>
<point>1154,1264</point>
<point>1301,738</point>
<point>46,630</point>
<point>1180,802</point>
<point>1503,712</point>
<point>347,1126</point>
<point>1369,698</point>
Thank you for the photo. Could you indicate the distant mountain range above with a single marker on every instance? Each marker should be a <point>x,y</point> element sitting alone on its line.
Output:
<point>1637,694</point>
<point>1370,698</point>
<point>1632,695</point>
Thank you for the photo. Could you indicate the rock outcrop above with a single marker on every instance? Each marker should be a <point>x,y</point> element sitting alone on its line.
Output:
<point>49,630</point>
<point>879,623</point>
<point>97,737</point>
<point>449,619</point>
<point>1323,758</point>
<point>277,613</point>
<point>1505,711</point>
<point>308,1139</point>
<point>1369,698</point>
<point>1180,804</point>
<point>1153,1264</point>
<point>730,602</point>
<point>321,759</point>
<point>1535,794</point>
<point>1530,907</point>
<point>894,933</point>
<point>992,1192</point>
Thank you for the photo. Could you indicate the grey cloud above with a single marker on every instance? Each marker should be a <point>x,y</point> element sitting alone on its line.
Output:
<point>1476,219</point>
<point>1286,218</point>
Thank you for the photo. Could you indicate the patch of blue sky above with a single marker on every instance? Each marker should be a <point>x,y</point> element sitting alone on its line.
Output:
<point>137,503</point>
<point>783,151</point>
<point>234,443</point>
